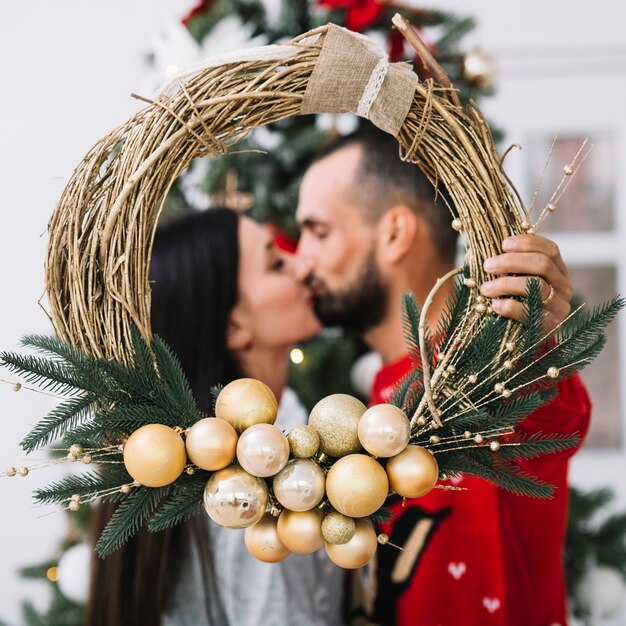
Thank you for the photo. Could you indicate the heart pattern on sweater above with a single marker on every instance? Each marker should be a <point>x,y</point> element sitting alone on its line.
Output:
<point>457,569</point>
<point>491,604</point>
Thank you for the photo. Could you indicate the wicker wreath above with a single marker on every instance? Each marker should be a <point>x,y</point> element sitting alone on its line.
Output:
<point>102,230</point>
<point>487,373</point>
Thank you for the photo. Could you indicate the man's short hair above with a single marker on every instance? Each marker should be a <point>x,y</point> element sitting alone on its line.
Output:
<point>383,180</point>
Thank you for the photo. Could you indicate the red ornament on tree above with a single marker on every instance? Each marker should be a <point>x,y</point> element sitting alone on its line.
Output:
<point>201,7</point>
<point>359,13</point>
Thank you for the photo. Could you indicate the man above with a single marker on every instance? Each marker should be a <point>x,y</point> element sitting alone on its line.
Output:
<point>372,231</point>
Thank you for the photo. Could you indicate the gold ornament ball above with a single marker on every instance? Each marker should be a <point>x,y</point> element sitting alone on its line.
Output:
<point>357,485</point>
<point>384,430</point>
<point>300,485</point>
<point>413,472</point>
<point>304,441</point>
<point>336,419</point>
<point>23,471</point>
<point>262,541</point>
<point>356,552</point>
<point>11,471</point>
<point>246,402</point>
<point>262,450</point>
<point>338,528</point>
<point>73,505</point>
<point>479,68</point>
<point>235,499</point>
<point>301,531</point>
<point>211,443</point>
<point>154,455</point>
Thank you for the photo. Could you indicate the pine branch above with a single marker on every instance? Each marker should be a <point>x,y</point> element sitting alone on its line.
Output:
<point>381,516</point>
<point>455,309</point>
<point>142,355</point>
<point>181,505</point>
<point>49,375</point>
<point>410,328</point>
<point>534,313</point>
<point>53,346</point>
<point>82,484</point>
<point>62,418</point>
<point>176,383</point>
<point>530,446</point>
<point>401,389</point>
<point>582,329</point>
<point>215,391</point>
<point>129,516</point>
<point>509,477</point>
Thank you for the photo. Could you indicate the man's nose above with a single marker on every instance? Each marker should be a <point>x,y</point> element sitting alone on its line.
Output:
<point>302,267</point>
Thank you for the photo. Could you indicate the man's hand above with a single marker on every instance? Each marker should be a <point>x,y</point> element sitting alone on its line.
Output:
<point>529,256</point>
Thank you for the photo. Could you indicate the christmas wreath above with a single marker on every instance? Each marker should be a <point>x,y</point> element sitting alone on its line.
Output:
<point>128,408</point>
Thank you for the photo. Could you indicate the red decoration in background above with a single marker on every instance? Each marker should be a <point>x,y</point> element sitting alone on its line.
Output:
<point>396,45</point>
<point>201,7</point>
<point>359,13</point>
<point>281,240</point>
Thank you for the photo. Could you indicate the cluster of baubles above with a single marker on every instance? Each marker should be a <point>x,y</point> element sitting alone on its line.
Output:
<point>315,486</point>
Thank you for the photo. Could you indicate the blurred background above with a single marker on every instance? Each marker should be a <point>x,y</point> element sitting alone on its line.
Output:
<point>538,70</point>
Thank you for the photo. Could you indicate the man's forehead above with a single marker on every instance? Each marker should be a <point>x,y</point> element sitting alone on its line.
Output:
<point>327,191</point>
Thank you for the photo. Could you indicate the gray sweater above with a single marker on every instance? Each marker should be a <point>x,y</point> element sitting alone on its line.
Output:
<point>302,590</point>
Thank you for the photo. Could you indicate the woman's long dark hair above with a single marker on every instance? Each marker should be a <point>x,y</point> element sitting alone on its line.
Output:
<point>193,272</point>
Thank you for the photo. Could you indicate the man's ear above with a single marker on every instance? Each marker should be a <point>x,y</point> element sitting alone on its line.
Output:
<point>238,335</point>
<point>397,231</point>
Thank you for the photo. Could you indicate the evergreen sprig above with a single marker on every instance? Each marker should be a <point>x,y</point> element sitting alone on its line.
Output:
<point>479,407</point>
<point>134,510</point>
<point>105,396</point>
<point>84,485</point>
<point>182,503</point>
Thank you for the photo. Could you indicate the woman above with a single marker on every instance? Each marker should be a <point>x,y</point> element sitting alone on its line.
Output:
<point>230,305</point>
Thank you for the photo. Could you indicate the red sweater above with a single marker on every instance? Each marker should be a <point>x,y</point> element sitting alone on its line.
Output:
<point>480,557</point>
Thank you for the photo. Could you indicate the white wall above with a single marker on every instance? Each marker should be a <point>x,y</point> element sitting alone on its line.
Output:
<point>68,68</point>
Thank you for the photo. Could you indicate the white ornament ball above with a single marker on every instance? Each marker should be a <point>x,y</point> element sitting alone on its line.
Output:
<point>235,499</point>
<point>602,592</point>
<point>384,430</point>
<point>300,485</point>
<point>364,371</point>
<point>263,450</point>
<point>74,573</point>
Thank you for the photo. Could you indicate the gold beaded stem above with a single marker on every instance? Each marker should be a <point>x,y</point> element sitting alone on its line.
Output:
<point>568,172</point>
<point>427,397</point>
<point>491,432</point>
<point>455,400</point>
<point>450,487</point>
<point>96,455</point>
<point>565,182</point>
<point>543,172</point>
<point>17,386</point>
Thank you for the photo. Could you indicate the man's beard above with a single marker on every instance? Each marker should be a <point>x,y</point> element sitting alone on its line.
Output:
<point>359,307</point>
